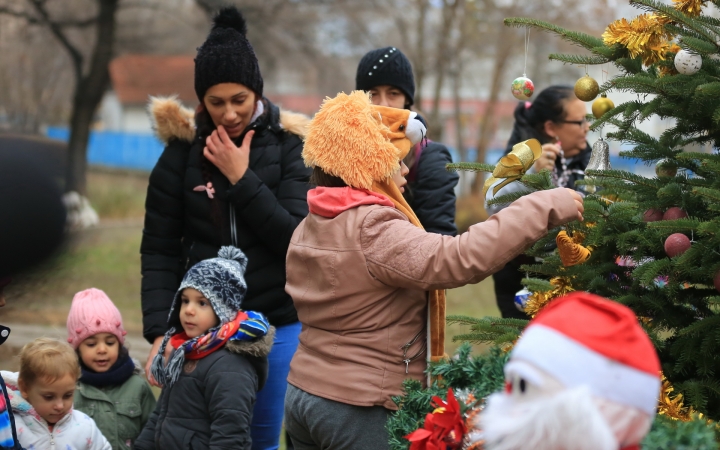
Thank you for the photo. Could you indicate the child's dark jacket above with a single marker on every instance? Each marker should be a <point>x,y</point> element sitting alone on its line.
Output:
<point>210,405</point>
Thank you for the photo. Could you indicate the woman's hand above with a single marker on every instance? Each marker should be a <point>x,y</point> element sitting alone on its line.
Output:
<point>231,160</point>
<point>578,203</point>
<point>550,153</point>
<point>153,351</point>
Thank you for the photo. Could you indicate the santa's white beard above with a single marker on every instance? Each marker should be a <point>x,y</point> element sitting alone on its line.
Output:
<point>566,420</point>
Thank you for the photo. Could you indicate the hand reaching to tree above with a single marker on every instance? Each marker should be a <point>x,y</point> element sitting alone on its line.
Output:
<point>578,202</point>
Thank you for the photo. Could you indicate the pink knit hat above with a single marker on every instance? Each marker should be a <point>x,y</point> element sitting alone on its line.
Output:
<point>92,312</point>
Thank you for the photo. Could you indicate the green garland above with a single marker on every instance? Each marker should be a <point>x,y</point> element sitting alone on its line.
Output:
<point>483,375</point>
<point>480,374</point>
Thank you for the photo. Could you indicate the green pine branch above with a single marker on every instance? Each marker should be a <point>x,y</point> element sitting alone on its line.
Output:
<point>639,83</point>
<point>508,198</point>
<point>709,193</point>
<point>470,167</point>
<point>582,39</point>
<point>491,330</point>
<point>623,175</point>
<point>698,45</point>
<point>580,60</point>
<point>667,433</point>
<point>683,32</point>
<point>630,65</point>
<point>538,181</point>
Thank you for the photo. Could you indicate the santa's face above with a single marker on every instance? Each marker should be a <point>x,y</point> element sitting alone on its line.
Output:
<point>536,411</point>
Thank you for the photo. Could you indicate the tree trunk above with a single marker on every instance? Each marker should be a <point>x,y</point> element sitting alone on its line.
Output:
<point>89,91</point>
<point>435,126</point>
<point>420,54</point>
<point>502,55</point>
<point>457,79</point>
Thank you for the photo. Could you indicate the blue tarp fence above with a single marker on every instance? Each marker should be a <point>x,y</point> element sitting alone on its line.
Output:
<point>140,151</point>
<point>117,149</point>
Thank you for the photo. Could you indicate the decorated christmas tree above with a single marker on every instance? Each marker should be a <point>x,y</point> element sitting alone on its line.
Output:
<point>651,243</point>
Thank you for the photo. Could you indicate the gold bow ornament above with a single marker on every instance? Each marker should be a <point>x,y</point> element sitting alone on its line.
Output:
<point>570,249</point>
<point>513,166</point>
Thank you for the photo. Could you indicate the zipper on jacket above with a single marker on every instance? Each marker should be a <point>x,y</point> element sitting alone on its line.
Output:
<point>408,359</point>
<point>233,228</point>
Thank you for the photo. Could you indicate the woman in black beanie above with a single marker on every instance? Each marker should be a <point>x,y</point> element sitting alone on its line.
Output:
<point>557,119</point>
<point>387,74</point>
<point>231,174</point>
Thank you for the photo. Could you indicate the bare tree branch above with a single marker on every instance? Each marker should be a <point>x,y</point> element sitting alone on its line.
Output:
<point>55,29</point>
<point>20,14</point>
<point>31,19</point>
<point>84,23</point>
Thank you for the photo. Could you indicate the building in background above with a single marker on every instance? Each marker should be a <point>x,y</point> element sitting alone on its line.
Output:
<point>134,78</point>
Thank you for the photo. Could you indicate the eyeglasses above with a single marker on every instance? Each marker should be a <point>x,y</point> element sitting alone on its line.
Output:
<point>580,123</point>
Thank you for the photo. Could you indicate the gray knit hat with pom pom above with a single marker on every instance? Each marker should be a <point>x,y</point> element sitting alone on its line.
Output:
<point>226,56</point>
<point>221,280</point>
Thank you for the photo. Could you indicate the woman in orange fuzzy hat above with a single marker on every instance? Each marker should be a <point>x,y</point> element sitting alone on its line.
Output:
<point>366,279</point>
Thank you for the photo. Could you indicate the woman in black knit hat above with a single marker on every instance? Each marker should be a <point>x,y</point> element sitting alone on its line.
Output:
<point>387,74</point>
<point>231,174</point>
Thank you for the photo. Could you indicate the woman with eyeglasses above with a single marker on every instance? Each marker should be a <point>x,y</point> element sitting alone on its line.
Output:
<point>557,119</point>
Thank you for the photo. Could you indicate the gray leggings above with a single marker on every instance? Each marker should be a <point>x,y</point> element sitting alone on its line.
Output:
<point>316,423</point>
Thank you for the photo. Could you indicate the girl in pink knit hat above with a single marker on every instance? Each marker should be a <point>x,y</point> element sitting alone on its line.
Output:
<point>111,390</point>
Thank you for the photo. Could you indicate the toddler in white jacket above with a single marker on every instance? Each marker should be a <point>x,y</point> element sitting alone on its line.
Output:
<point>41,396</point>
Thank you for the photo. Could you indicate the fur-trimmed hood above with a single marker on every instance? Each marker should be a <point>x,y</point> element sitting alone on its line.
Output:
<point>172,120</point>
<point>258,348</point>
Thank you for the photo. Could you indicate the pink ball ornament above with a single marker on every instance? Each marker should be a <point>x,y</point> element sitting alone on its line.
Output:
<point>522,88</point>
<point>676,244</point>
<point>652,215</point>
<point>674,213</point>
<point>716,281</point>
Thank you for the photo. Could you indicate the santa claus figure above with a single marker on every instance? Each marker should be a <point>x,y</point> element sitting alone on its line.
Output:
<point>583,376</point>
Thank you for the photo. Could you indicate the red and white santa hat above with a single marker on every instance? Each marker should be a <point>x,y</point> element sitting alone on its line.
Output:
<point>586,340</point>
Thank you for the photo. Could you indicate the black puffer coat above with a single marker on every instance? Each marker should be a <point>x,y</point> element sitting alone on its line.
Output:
<point>431,189</point>
<point>210,406</point>
<point>258,214</point>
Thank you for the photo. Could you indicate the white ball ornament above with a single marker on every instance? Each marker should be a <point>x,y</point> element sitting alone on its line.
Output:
<point>522,88</point>
<point>687,63</point>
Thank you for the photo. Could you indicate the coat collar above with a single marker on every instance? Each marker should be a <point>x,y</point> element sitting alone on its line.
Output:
<point>172,120</point>
<point>259,348</point>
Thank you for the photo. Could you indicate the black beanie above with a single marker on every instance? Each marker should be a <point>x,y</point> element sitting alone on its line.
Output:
<point>386,66</point>
<point>226,56</point>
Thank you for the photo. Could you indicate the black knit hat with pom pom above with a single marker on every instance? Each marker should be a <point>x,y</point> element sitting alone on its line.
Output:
<point>226,56</point>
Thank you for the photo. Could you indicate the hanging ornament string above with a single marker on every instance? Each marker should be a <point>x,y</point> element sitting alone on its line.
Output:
<point>522,88</point>
<point>586,88</point>
<point>527,49</point>
<point>603,104</point>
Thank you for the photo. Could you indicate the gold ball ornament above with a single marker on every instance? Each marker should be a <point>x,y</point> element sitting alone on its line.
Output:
<point>586,88</point>
<point>601,106</point>
<point>666,168</point>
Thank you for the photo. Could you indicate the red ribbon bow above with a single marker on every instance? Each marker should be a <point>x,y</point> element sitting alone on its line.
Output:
<point>444,428</point>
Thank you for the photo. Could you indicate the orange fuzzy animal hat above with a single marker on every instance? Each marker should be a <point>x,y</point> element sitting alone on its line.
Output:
<point>354,140</point>
<point>363,144</point>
